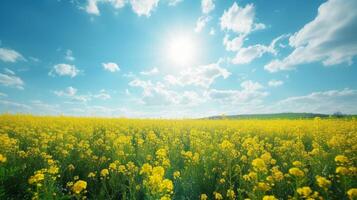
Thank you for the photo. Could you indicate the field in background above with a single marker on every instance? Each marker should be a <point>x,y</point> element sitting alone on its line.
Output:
<point>77,158</point>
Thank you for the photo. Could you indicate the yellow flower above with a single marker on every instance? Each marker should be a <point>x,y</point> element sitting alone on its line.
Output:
<point>352,193</point>
<point>266,157</point>
<point>112,166</point>
<point>269,197</point>
<point>53,170</point>
<point>323,182</point>
<point>225,145</point>
<point>79,186</point>
<point>69,184</point>
<point>341,159</point>
<point>217,196</point>
<point>203,197</point>
<point>91,175</point>
<point>71,167</point>
<point>231,194</point>
<point>304,191</point>
<point>160,171</point>
<point>36,178</point>
<point>297,163</point>
<point>177,174</point>
<point>146,169</point>
<point>222,180</point>
<point>121,168</point>
<point>165,198</point>
<point>263,186</point>
<point>296,172</point>
<point>166,185</point>
<point>259,164</point>
<point>2,158</point>
<point>161,153</point>
<point>104,172</point>
<point>342,170</point>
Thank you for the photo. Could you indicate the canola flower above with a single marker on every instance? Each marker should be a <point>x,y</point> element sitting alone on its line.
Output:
<point>2,158</point>
<point>79,186</point>
<point>94,158</point>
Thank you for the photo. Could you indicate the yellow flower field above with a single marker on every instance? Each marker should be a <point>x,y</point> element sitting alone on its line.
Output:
<point>95,158</point>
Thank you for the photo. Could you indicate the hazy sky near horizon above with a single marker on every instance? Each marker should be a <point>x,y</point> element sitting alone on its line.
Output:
<point>177,58</point>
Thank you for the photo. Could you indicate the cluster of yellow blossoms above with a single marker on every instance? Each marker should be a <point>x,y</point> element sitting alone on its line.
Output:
<point>94,158</point>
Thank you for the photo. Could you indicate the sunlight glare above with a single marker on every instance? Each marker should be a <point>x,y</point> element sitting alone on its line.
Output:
<point>181,50</point>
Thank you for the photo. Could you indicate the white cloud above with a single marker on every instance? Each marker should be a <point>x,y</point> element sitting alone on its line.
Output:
<point>40,107</point>
<point>240,19</point>
<point>329,38</point>
<point>10,106</point>
<point>212,31</point>
<point>202,76</point>
<point>9,71</point>
<point>155,94</point>
<point>64,70</point>
<point>103,95</point>
<point>207,6</point>
<point>275,83</point>
<point>251,93</point>
<point>248,54</point>
<point>201,23</point>
<point>9,55</point>
<point>92,5</point>
<point>9,79</point>
<point>235,44</point>
<point>110,66</point>
<point>2,95</point>
<point>143,7</point>
<point>118,3</point>
<point>174,2</point>
<point>150,72</point>
<point>68,92</point>
<point>321,102</point>
<point>249,85</point>
<point>69,55</point>
<point>72,94</point>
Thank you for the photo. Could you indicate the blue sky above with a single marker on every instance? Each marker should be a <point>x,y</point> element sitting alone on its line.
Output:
<point>177,58</point>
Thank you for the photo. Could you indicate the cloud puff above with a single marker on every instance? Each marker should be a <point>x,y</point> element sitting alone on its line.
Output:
<point>202,76</point>
<point>174,2</point>
<point>321,102</point>
<point>103,95</point>
<point>143,7</point>
<point>150,72</point>
<point>92,5</point>
<point>240,19</point>
<point>68,92</point>
<point>159,94</point>
<point>201,23</point>
<point>71,93</point>
<point>110,66</point>
<point>251,93</point>
<point>69,55</point>
<point>9,55</point>
<point>2,95</point>
<point>246,55</point>
<point>10,106</point>
<point>64,70</point>
<point>330,38</point>
<point>10,79</point>
<point>275,83</point>
<point>207,6</point>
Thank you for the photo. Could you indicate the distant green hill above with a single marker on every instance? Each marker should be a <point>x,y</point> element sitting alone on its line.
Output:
<point>279,116</point>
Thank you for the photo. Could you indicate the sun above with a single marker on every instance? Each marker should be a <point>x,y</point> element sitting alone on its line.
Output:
<point>181,50</point>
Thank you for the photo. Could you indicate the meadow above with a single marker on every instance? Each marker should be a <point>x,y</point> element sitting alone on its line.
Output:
<point>97,158</point>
